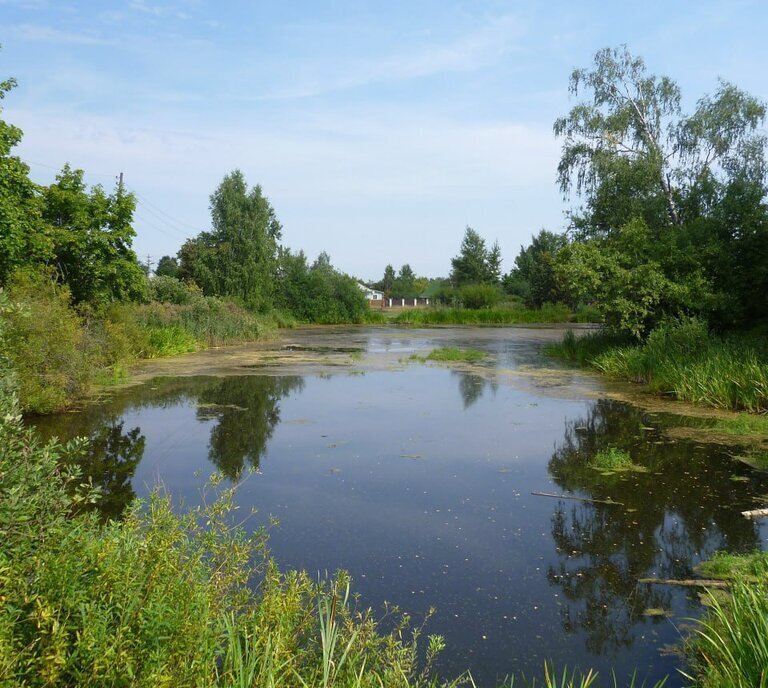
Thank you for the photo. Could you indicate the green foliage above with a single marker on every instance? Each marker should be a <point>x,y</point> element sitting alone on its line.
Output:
<point>318,294</point>
<point>452,354</point>
<point>727,566</point>
<point>24,237</point>
<point>675,220</point>
<point>549,313</point>
<point>613,459</point>
<point>475,264</point>
<point>533,277</point>
<point>683,359</point>
<point>629,285</point>
<point>730,647</point>
<point>165,289</point>
<point>92,237</point>
<point>743,424</point>
<point>167,266</point>
<point>476,296</point>
<point>45,341</point>
<point>206,321</point>
<point>238,256</point>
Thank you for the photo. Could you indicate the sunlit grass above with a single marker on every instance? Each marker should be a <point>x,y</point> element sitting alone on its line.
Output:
<point>727,566</point>
<point>685,361</point>
<point>613,459</point>
<point>549,313</point>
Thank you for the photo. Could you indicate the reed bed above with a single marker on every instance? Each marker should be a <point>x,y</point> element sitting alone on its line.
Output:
<point>684,360</point>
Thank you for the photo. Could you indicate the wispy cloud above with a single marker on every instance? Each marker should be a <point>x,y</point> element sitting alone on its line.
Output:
<point>47,34</point>
<point>474,50</point>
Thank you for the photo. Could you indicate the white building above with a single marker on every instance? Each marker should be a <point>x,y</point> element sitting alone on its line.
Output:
<point>371,294</point>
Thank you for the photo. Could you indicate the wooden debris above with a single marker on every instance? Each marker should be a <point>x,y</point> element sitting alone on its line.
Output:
<point>755,513</point>
<point>687,582</point>
<point>578,499</point>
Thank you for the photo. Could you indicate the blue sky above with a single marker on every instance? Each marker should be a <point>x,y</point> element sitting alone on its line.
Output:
<point>379,130</point>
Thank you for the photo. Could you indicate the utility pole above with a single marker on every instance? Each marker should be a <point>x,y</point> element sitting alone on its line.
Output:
<point>149,264</point>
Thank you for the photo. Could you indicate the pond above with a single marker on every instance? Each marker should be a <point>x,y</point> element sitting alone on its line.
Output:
<point>418,478</point>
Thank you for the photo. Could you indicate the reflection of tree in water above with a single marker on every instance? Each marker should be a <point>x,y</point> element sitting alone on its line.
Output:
<point>110,461</point>
<point>472,387</point>
<point>246,410</point>
<point>683,509</point>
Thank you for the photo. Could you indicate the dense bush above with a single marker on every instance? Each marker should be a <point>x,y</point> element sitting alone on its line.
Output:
<point>165,289</point>
<point>479,295</point>
<point>46,343</point>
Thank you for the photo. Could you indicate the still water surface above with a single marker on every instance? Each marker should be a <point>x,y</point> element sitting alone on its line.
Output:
<point>417,479</point>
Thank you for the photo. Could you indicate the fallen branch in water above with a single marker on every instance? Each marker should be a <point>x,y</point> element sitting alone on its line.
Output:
<point>687,582</point>
<point>579,499</point>
<point>755,513</point>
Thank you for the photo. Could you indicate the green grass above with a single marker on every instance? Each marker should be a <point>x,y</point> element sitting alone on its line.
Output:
<point>730,646</point>
<point>613,460</point>
<point>742,424</point>
<point>685,361</point>
<point>726,566</point>
<point>455,354</point>
<point>484,316</point>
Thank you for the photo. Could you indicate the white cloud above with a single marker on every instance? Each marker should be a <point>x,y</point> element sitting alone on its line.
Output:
<point>339,185</point>
<point>47,34</point>
<point>474,50</point>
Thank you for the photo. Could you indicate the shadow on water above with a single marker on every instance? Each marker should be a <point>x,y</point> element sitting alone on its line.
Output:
<point>682,508</point>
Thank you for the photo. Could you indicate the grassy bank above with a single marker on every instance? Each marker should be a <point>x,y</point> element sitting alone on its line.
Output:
<point>484,316</point>
<point>683,360</point>
<point>59,352</point>
<point>730,645</point>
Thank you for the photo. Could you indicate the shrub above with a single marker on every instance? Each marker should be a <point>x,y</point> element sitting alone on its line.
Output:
<point>166,289</point>
<point>479,295</point>
<point>45,342</point>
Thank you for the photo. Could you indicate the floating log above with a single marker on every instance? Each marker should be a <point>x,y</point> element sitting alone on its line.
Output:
<point>687,582</point>
<point>578,499</point>
<point>755,513</point>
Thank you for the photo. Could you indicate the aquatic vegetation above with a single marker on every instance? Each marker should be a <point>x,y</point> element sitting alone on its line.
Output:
<point>548,313</point>
<point>684,360</point>
<point>452,353</point>
<point>742,424</point>
<point>727,566</point>
<point>612,460</point>
<point>730,645</point>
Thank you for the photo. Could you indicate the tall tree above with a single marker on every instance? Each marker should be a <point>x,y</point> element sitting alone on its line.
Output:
<point>533,276</point>
<point>696,184</point>
<point>405,284</point>
<point>238,257</point>
<point>471,265</point>
<point>24,237</point>
<point>92,233</point>
<point>167,266</point>
<point>388,282</point>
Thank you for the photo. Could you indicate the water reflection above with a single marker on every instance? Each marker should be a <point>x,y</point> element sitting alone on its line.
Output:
<point>243,413</point>
<point>669,521</point>
<point>472,387</point>
<point>111,460</point>
<point>246,411</point>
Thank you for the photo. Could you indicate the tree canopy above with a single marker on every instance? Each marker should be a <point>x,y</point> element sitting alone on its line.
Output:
<point>679,197</point>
